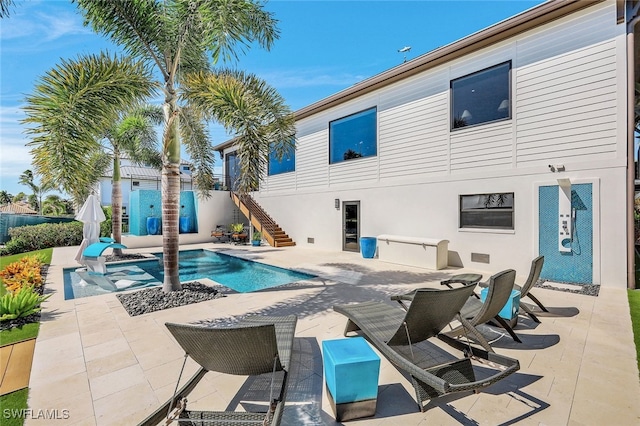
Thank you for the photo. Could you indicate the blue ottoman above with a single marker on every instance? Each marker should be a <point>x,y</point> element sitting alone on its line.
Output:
<point>351,370</point>
<point>511,309</point>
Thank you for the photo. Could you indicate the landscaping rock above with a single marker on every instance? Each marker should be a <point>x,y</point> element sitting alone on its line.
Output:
<point>154,299</point>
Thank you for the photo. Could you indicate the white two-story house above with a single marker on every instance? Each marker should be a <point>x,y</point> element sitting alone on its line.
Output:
<point>513,142</point>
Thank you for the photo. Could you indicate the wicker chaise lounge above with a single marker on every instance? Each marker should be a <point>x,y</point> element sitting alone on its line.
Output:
<point>395,333</point>
<point>255,346</point>
<point>525,289</point>
<point>477,312</point>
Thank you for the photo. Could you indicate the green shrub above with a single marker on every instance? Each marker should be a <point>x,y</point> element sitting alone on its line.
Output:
<point>22,303</point>
<point>106,225</point>
<point>45,235</point>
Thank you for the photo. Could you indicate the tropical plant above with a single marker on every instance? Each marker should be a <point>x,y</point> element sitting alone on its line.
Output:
<point>20,196</point>
<point>27,178</point>
<point>257,236</point>
<point>72,107</point>
<point>177,36</point>
<point>134,135</point>
<point>54,205</point>
<point>237,227</point>
<point>5,197</point>
<point>24,302</point>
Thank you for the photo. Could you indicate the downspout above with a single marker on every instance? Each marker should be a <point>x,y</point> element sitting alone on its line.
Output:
<point>631,273</point>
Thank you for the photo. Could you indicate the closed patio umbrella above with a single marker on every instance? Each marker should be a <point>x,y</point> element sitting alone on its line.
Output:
<point>91,215</point>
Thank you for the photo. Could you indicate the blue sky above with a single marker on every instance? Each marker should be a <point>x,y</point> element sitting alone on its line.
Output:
<point>324,47</point>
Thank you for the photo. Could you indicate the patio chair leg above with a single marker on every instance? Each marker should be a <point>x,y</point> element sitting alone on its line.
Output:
<point>529,312</point>
<point>537,302</point>
<point>507,327</point>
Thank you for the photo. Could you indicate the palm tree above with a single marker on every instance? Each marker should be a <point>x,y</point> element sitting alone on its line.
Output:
<point>72,108</point>
<point>177,36</point>
<point>133,134</point>
<point>5,197</point>
<point>53,205</point>
<point>27,178</point>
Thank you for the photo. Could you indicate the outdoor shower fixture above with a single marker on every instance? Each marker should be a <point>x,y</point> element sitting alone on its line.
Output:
<point>566,216</point>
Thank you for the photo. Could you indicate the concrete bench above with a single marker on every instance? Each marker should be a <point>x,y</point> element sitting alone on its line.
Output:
<point>428,253</point>
<point>92,256</point>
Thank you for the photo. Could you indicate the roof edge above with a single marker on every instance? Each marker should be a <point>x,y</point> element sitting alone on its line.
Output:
<point>534,17</point>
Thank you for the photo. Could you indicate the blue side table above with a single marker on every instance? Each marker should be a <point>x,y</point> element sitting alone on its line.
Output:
<point>351,370</point>
<point>510,310</point>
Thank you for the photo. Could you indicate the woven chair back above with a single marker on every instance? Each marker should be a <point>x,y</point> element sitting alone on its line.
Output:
<point>430,311</point>
<point>499,291</point>
<point>245,351</point>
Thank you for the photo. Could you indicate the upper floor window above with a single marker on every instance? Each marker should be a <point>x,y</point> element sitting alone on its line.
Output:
<point>492,211</point>
<point>353,136</point>
<point>481,97</point>
<point>284,165</point>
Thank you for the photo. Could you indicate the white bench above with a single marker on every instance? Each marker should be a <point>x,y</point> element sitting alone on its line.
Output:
<point>428,253</point>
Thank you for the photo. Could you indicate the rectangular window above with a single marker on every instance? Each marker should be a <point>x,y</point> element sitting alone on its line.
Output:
<point>489,211</point>
<point>284,165</point>
<point>481,97</point>
<point>353,136</point>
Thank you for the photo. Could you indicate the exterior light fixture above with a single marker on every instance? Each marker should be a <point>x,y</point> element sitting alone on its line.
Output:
<point>337,203</point>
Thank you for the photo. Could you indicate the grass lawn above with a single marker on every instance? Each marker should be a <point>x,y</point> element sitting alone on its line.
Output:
<point>11,404</point>
<point>15,401</point>
<point>18,334</point>
<point>45,253</point>
<point>634,306</point>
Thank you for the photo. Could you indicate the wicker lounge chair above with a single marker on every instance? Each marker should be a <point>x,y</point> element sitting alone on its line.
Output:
<point>395,333</point>
<point>477,312</point>
<point>257,345</point>
<point>525,289</point>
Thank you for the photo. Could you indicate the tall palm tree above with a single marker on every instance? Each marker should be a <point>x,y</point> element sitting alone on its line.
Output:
<point>70,111</point>
<point>27,178</point>
<point>134,135</point>
<point>178,37</point>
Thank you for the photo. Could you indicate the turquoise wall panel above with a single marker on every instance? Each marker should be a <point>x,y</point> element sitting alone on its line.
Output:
<point>146,203</point>
<point>576,266</point>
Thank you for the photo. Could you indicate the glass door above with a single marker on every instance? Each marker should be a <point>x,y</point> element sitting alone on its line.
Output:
<point>351,226</point>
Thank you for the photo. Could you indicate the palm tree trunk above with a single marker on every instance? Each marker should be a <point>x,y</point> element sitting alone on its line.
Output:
<point>171,194</point>
<point>116,203</point>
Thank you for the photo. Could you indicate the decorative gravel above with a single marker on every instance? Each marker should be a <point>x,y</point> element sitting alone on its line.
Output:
<point>19,322</point>
<point>586,289</point>
<point>125,256</point>
<point>154,299</point>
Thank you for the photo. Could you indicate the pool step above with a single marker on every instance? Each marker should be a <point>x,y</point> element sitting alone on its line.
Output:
<point>271,231</point>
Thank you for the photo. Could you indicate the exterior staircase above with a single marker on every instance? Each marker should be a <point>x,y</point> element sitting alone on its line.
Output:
<point>271,232</point>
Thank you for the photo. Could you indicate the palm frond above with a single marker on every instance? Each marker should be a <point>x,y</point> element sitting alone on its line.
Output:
<point>196,138</point>
<point>73,105</point>
<point>137,25</point>
<point>244,104</point>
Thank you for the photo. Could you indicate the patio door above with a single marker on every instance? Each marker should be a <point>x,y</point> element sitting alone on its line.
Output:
<point>351,226</point>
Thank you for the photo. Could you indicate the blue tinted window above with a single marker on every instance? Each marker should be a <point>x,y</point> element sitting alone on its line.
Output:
<point>481,97</point>
<point>353,136</point>
<point>286,164</point>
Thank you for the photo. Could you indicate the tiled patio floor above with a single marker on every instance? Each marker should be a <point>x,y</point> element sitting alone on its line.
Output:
<point>578,366</point>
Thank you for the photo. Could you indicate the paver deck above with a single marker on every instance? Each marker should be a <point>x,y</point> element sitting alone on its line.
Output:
<point>578,366</point>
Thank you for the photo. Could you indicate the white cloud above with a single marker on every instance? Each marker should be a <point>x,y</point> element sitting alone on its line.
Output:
<point>14,154</point>
<point>36,29</point>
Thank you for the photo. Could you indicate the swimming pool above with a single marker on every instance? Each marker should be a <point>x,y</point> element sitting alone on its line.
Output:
<point>238,274</point>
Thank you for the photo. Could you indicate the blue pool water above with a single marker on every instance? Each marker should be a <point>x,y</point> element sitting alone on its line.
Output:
<point>238,274</point>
